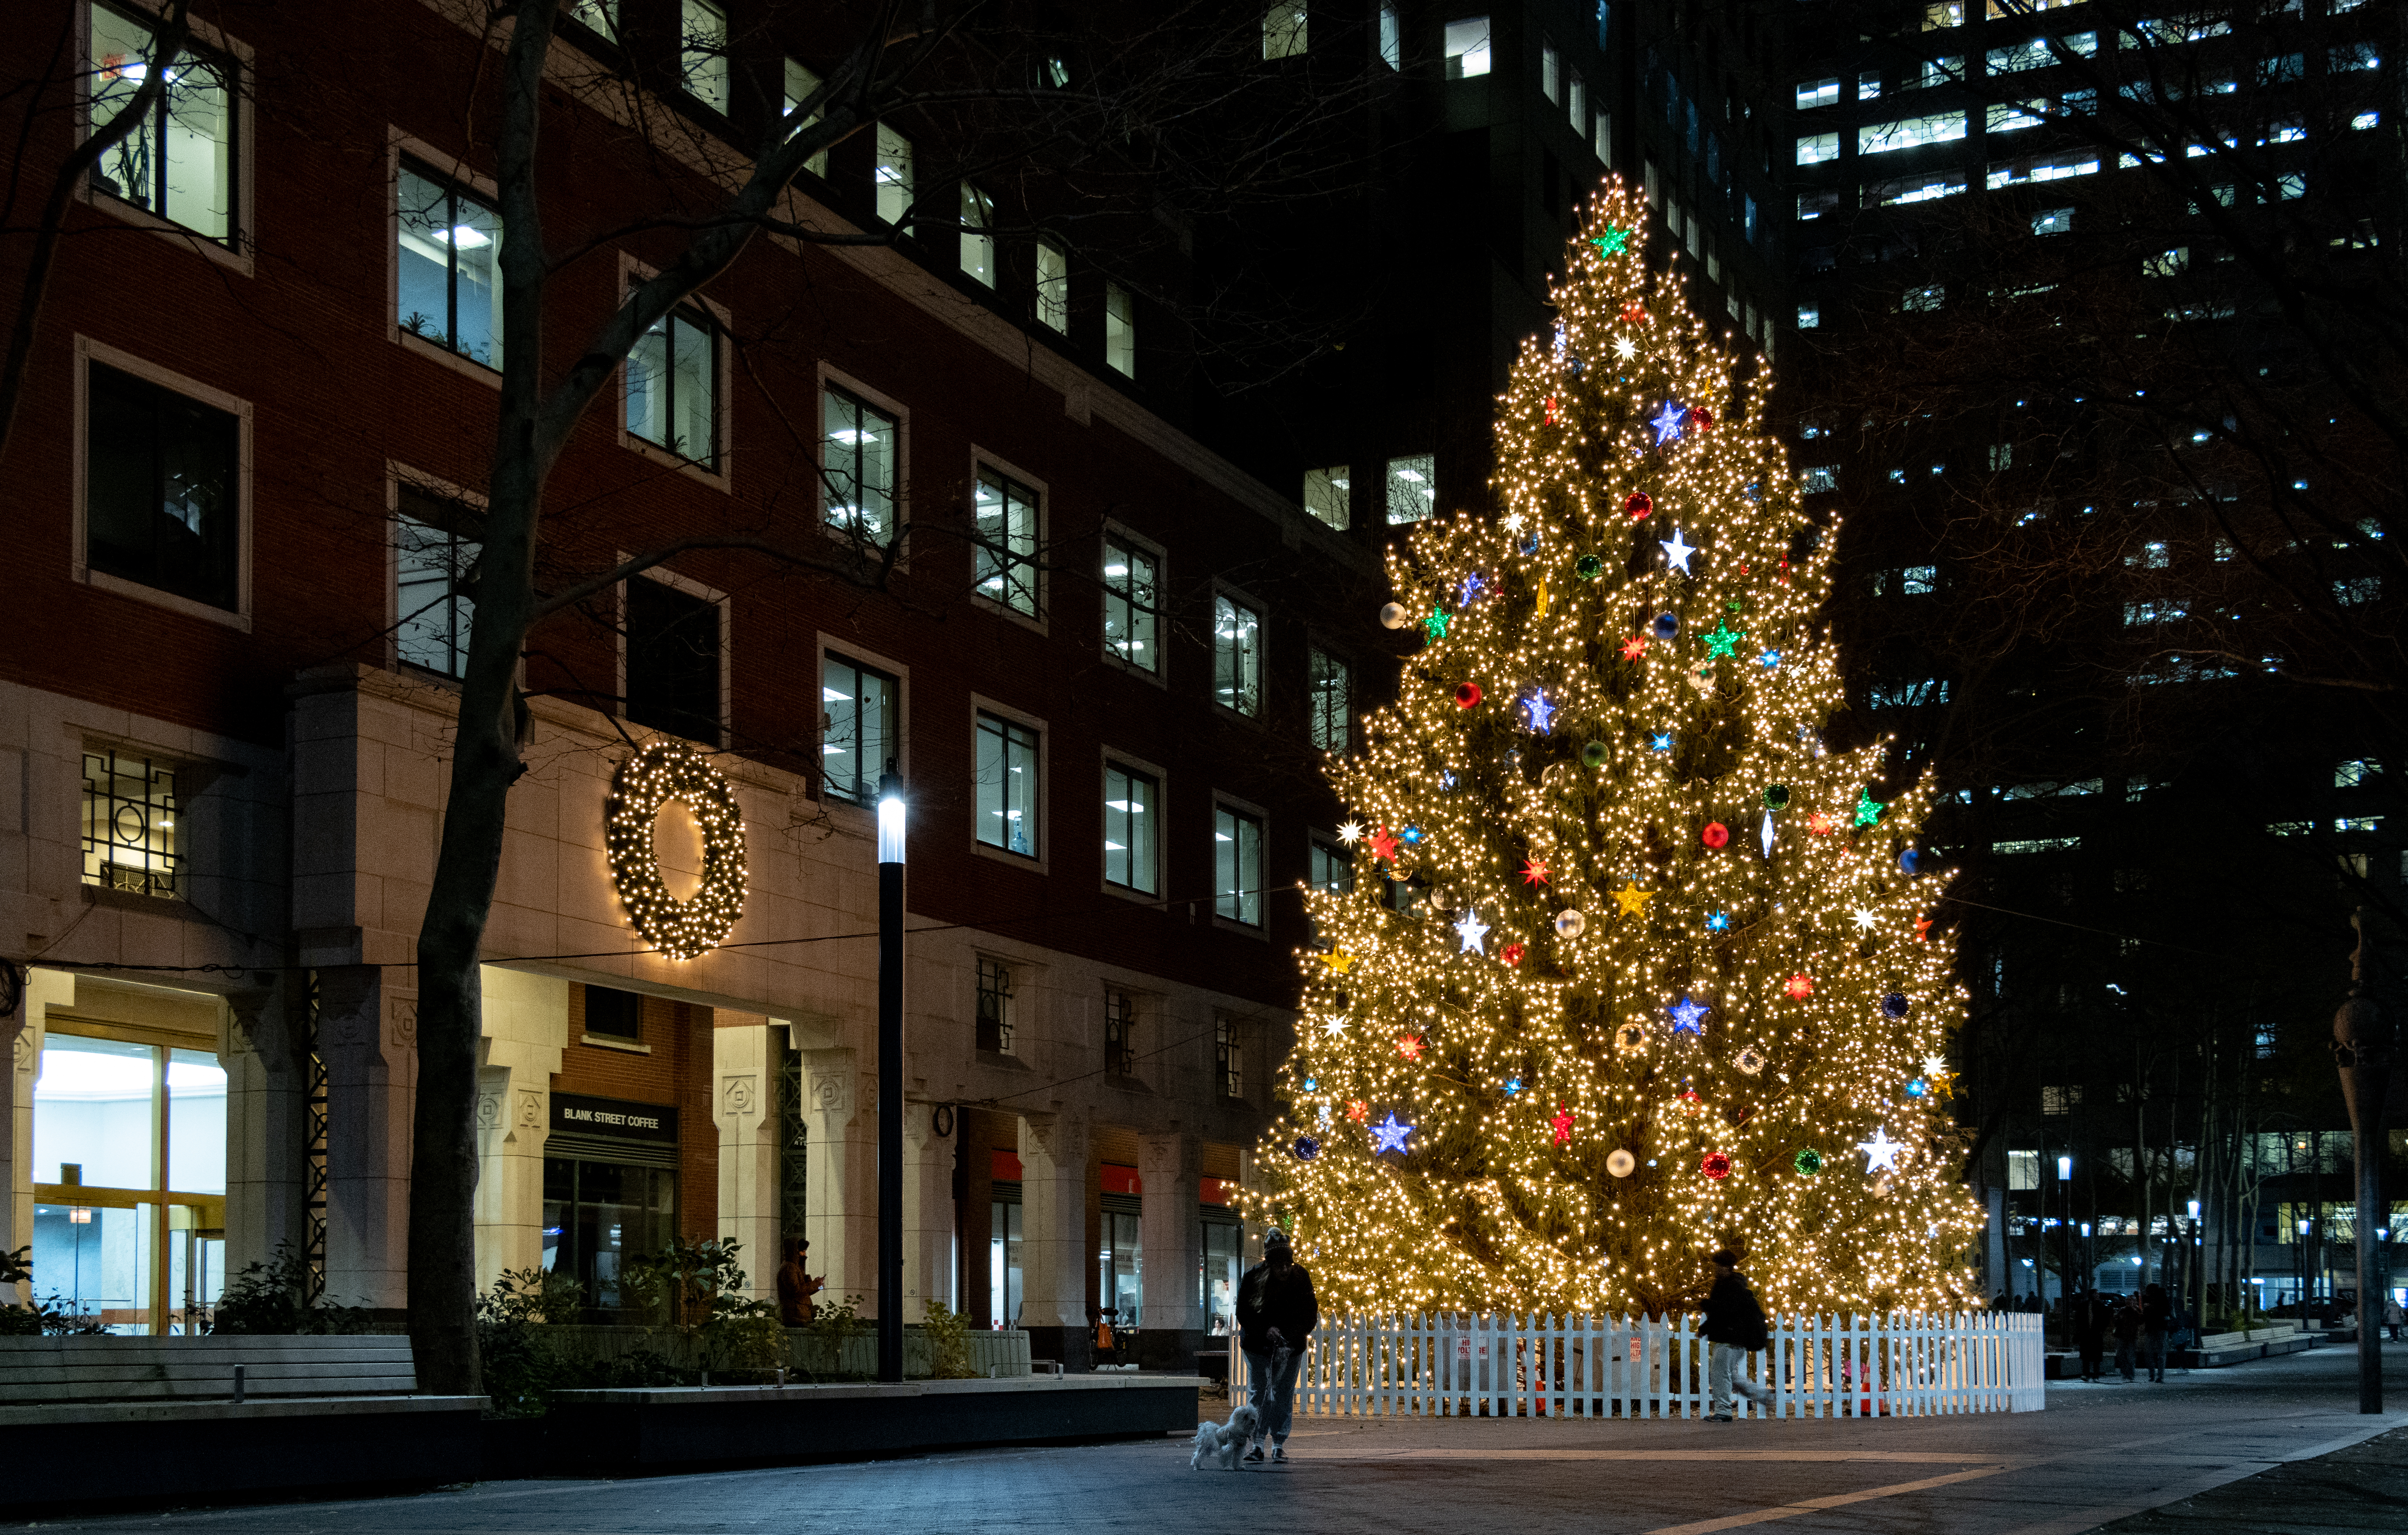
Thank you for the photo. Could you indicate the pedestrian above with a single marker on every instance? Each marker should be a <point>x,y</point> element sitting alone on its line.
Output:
<point>1108,1349</point>
<point>2157,1314</point>
<point>2090,1320</point>
<point>1276,1312</point>
<point>1733,1328</point>
<point>2127,1330</point>
<point>1999,1302</point>
<point>795,1307</point>
<point>2394,1317</point>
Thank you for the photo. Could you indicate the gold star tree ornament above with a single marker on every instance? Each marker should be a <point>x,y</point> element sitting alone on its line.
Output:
<point>1704,845</point>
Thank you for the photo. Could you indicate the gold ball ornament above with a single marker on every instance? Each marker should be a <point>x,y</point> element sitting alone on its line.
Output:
<point>662,772</point>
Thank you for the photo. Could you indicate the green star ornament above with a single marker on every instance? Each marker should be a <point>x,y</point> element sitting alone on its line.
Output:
<point>1613,242</point>
<point>1869,809</point>
<point>1435,625</point>
<point>1722,640</point>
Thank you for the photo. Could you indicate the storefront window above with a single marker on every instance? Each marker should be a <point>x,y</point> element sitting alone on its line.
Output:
<point>124,1131</point>
<point>596,1215</point>
<point>1119,1268</point>
<point>1003,1265</point>
<point>1217,1285</point>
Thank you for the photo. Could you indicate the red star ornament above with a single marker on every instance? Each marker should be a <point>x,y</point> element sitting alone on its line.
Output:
<point>1357,1111</point>
<point>1922,929</point>
<point>1511,954</point>
<point>1534,871</point>
<point>1410,1046</point>
<point>1563,1123</point>
<point>1383,846</point>
<point>1634,646</point>
<point>1819,823</point>
<point>1801,985</point>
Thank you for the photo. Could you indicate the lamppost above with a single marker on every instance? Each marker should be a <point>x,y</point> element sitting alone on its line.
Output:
<point>2065,1191</point>
<point>2196,1258</point>
<point>890,1076</point>
<point>2362,1050</point>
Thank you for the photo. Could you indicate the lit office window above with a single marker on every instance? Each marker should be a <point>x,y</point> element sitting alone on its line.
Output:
<point>181,163</point>
<point>448,260</point>
<point>1466,48</point>
<point>1119,330</point>
<point>1007,548</point>
<point>800,83</point>
<point>892,175</point>
<point>673,386</point>
<point>1006,771</point>
<point>1326,496</point>
<point>431,562</point>
<point>858,456</point>
<point>1237,866</point>
<point>863,718</point>
<point>1131,616</point>
<point>1332,701</point>
<point>1392,38</point>
<point>1237,655</point>
<point>978,235</point>
<point>1283,30</point>
<point>1132,811</point>
<point>702,53</point>
<point>1412,488</point>
<point>1053,286</point>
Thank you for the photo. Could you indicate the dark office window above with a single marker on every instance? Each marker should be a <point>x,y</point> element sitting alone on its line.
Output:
<point>673,643</point>
<point>163,501</point>
<point>995,1006</point>
<point>1120,1033</point>
<point>614,1014</point>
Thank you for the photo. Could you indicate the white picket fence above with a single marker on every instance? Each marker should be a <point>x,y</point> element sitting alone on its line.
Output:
<point>1461,1365</point>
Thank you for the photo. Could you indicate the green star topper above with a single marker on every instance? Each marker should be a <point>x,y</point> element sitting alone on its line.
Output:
<point>1613,242</point>
<point>1435,625</point>
<point>1722,640</point>
<point>1869,809</point>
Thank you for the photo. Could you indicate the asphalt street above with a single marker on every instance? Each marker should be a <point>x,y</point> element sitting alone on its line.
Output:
<point>2099,1453</point>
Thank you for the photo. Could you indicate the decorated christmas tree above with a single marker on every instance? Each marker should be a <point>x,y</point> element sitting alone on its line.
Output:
<point>1634,965</point>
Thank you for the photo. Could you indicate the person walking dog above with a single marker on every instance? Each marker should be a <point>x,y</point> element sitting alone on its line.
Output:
<point>1734,1328</point>
<point>1276,1312</point>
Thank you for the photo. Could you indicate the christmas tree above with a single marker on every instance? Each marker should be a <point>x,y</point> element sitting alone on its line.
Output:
<point>1633,965</point>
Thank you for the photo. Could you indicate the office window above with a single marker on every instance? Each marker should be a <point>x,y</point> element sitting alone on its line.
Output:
<point>431,561</point>
<point>978,235</point>
<point>1326,496</point>
<point>1909,132</point>
<point>181,162</point>
<point>1283,30</point>
<point>1237,866</point>
<point>1937,72</point>
<point>1131,616</point>
<point>1332,869</point>
<point>130,836</point>
<point>1228,1058</point>
<point>1466,48</point>
<point>1576,103</point>
<point>1120,1032</point>
<point>1007,785</point>
<point>702,53</point>
<point>673,660</point>
<point>1950,13</point>
<point>673,386</point>
<point>1868,86</point>
<point>601,14</point>
<point>1132,813</point>
<point>1550,72</point>
<point>1604,136</point>
<point>1119,330</point>
<point>862,727</point>
<point>1007,550</point>
<point>1813,94</point>
<point>162,490</point>
<point>1817,478</point>
<point>1412,488</point>
<point>800,83</point>
<point>614,1014</point>
<point>1332,700</point>
<point>995,1019</point>
<point>448,266</point>
<point>859,452</point>
<point>892,175</point>
<point>1815,149</point>
<point>1810,316</point>
<point>1237,655</point>
<point>1392,38</point>
<point>1923,300</point>
<point>1053,287</point>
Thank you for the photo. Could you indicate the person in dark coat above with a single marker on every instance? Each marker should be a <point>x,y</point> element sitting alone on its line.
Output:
<point>795,1307</point>
<point>2127,1323</point>
<point>1276,1312</point>
<point>2156,1315</point>
<point>1733,1328</point>
<point>2091,1316</point>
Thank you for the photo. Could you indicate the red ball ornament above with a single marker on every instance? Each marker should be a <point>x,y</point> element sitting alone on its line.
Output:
<point>1468,694</point>
<point>1639,505</point>
<point>1700,418</point>
<point>1715,1165</point>
<point>1511,954</point>
<point>1714,834</point>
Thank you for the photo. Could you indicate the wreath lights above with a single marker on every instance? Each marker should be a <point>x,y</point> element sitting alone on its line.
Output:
<point>663,771</point>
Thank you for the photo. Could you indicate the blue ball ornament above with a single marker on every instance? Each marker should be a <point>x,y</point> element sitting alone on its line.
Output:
<point>1911,861</point>
<point>1667,625</point>
<point>1307,1148</point>
<point>1894,1005</point>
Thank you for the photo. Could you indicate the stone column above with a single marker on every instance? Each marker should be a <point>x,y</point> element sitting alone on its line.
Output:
<point>927,1213</point>
<point>1054,1256</point>
<point>841,1188</point>
<point>267,1112</point>
<point>1171,1166</point>
<point>368,1035</point>
<point>22,1032</point>
<point>744,1109</point>
<point>525,1026</point>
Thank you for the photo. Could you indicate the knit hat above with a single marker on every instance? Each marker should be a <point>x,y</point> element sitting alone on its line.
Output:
<point>1274,1238</point>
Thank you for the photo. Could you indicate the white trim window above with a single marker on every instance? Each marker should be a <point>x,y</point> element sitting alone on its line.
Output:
<point>163,490</point>
<point>1412,488</point>
<point>1119,330</point>
<point>447,291</point>
<point>674,656</point>
<point>1053,287</point>
<point>1132,616</point>
<point>1007,514</point>
<point>860,448</point>
<point>433,563</point>
<point>1326,495</point>
<point>182,165</point>
<point>978,235</point>
<point>800,83</point>
<point>1007,784</point>
<point>601,16</point>
<point>1237,655</point>
<point>1132,815</point>
<point>862,726</point>
<point>1330,682</point>
<point>892,175</point>
<point>1237,866</point>
<point>673,386</point>
<point>702,53</point>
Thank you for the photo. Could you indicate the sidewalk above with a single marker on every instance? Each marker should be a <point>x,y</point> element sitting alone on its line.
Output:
<point>2364,1487</point>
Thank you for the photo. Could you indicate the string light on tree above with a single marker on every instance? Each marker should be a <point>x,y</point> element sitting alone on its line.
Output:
<point>1679,996</point>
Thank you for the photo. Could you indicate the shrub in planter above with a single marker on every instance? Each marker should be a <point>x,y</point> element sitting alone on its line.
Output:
<point>271,1298</point>
<point>521,1368</point>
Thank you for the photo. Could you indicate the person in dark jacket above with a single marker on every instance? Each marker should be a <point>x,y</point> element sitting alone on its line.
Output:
<point>2156,1316</point>
<point>2091,1316</point>
<point>2127,1323</point>
<point>795,1288</point>
<point>1733,1328</point>
<point>1276,1312</point>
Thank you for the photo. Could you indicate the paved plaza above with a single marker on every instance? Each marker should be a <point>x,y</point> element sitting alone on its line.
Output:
<point>2099,1453</point>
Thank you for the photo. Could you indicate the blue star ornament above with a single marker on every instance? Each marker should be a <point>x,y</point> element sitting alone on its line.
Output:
<point>1688,1015</point>
<point>1541,711</point>
<point>1661,742</point>
<point>1472,588</point>
<point>1669,421</point>
<point>1389,1135</point>
<point>1768,660</point>
<point>1719,922</point>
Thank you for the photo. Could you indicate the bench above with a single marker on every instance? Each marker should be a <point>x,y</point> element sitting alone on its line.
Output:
<point>96,1420</point>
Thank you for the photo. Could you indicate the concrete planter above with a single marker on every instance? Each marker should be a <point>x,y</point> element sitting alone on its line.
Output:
<point>808,1357</point>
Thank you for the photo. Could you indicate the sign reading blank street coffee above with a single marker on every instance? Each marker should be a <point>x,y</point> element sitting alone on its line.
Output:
<point>613,1119</point>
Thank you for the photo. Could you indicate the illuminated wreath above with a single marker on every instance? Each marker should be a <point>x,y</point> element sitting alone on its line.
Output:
<point>661,772</point>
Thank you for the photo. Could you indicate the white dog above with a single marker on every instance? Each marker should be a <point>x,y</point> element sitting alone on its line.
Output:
<point>1225,1441</point>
